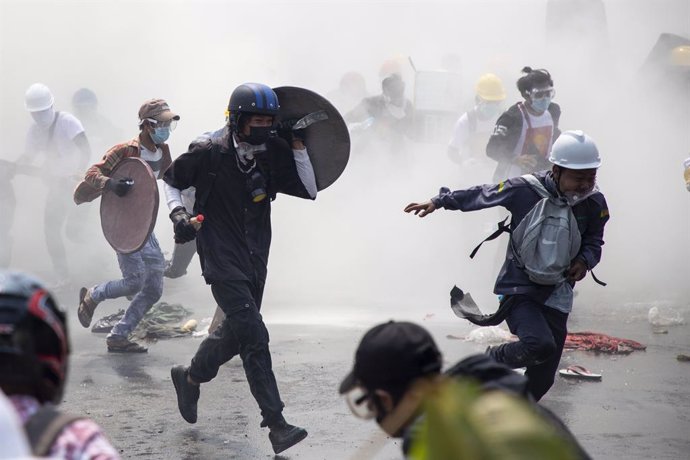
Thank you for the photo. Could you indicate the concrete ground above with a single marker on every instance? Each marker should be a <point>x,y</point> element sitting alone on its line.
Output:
<point>640,409</point>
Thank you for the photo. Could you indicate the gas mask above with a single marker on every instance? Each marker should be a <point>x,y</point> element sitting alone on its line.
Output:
<point>256,186</point>
<point>44,118</point>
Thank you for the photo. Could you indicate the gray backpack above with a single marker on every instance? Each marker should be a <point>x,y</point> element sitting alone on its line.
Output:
<point>547,239</point>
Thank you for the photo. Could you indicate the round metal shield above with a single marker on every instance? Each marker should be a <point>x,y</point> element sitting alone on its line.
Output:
<point>326,135</point>
<point>128,221</point>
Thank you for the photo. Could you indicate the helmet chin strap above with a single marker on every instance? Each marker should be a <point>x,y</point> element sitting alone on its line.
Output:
<point>557,178</point>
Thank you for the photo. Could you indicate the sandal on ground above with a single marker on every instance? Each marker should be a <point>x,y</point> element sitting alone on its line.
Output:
<point>579,372</point>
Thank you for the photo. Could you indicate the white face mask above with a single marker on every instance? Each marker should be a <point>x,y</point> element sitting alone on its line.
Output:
<point>44,118</point>
<point>397,111</point>
<point>574,198</point>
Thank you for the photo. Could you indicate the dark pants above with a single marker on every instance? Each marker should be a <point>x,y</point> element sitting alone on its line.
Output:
<point>242,332</point>
<point>542,331</point>
<point>181,257</point>
<point>7,206</point>
<point>58,207</point>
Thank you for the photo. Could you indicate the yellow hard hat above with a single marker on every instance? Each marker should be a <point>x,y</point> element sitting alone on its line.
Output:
<point>680,56</point>
<point>490,88</point>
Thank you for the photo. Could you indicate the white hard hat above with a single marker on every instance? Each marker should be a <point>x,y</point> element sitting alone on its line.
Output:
<point>575,150</point>
<point>38,97</point>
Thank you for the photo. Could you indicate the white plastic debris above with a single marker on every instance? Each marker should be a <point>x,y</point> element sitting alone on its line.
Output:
<point>670,318</point>
<point>203,331</point>
<point>489,334</point>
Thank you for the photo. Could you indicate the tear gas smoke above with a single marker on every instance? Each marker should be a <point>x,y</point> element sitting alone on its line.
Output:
<point>354,249</point>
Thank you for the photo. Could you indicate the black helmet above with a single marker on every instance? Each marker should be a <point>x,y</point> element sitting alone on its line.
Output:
<point>34,346</point>
<point>253,98</point>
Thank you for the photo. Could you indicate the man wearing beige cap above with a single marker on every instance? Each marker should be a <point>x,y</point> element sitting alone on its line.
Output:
<point>142,270</point>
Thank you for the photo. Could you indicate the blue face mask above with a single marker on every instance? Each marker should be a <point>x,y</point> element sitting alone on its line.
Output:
<point>540,105</point>
<point>160,135</point>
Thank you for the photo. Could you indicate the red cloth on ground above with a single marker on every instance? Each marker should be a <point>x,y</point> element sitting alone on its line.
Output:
<point>595,341</point>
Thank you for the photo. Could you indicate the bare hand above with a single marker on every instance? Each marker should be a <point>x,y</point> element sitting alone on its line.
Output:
<point>421,209</point>
<point>577,270</point>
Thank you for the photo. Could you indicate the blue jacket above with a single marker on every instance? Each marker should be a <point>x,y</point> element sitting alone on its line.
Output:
<point>518,197</point>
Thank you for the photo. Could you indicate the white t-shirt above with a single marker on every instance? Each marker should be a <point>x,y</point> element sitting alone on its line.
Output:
<point>462,134</point>
<point>154,159</point>
<point>62,154</point>
<point>543,137</point>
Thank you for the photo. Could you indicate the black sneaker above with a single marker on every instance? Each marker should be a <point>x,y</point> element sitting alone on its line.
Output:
<point>121,344</point>
<point>283,436</point>
<point>187,394</point>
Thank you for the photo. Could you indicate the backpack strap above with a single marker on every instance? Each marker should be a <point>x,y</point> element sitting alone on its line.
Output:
<point>536,184</point>
<point>525,114</point>
<point>51,131</point>
<point>44,427</point>
<point>538,187</point>
<point>502,228</point>
<point>597,280</point>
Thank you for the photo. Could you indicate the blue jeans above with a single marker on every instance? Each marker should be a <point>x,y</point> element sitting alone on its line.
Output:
<point>243,333</point>
<point>142,277</point>
<point>542,331</point>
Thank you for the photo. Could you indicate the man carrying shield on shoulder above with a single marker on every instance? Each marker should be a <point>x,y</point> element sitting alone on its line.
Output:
<point>126,179</point>
<point>237,175</point>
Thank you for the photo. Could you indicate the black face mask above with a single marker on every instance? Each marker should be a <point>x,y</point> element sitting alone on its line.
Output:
<point>258,135</point>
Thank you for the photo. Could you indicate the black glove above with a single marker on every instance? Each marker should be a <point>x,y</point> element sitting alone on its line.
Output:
<point>297,134</point>
<point>184,230</point>
<point>119,187</point>
<point>286,131</point>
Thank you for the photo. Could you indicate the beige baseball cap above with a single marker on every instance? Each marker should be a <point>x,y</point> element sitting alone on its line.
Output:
<point>157,109</point>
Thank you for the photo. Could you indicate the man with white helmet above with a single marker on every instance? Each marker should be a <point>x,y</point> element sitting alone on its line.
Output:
<point>60,136</point>
<point>474,127</point>
<point>537,309</point>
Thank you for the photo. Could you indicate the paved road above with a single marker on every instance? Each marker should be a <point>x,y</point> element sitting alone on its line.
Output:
<point>641,409</point>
